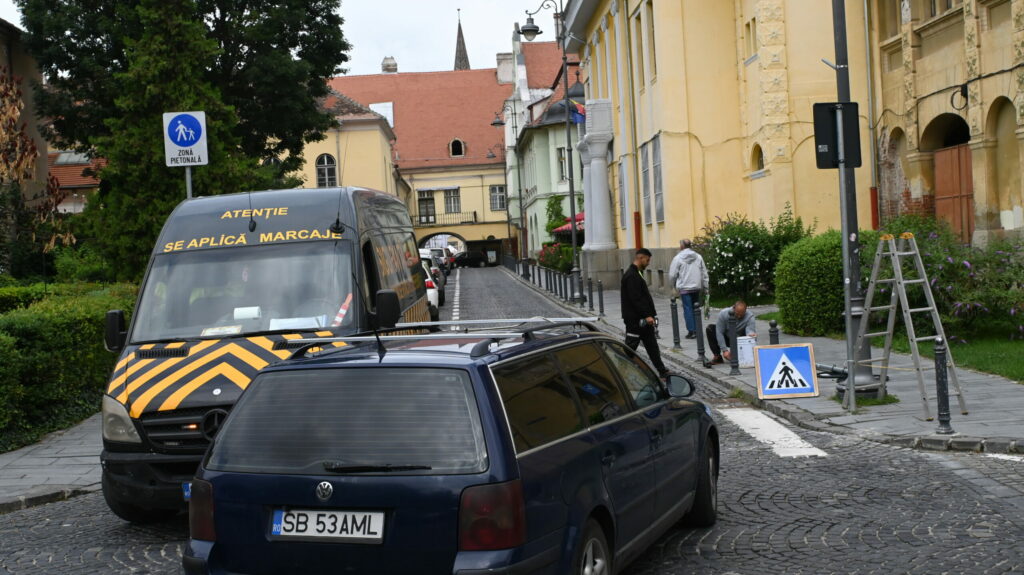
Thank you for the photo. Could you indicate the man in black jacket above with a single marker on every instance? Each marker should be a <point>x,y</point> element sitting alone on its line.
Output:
<point>638,310</point>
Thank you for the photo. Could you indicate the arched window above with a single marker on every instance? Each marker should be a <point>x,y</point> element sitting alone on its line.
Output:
<point>756,159</point>
<point>457,148</point>
<point>326,171</point>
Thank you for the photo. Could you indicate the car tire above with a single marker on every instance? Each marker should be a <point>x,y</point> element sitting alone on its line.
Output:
<point>129,512</point>
<point>592,554</point>
<point>481,264</point>
<point>704,512</point>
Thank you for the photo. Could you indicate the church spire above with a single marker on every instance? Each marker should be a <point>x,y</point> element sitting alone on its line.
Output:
<point>461,57</point>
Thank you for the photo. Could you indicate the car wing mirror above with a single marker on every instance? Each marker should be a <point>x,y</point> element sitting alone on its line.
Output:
<point>389,309</point>
<point>114,333</point>
<point>679,386</point>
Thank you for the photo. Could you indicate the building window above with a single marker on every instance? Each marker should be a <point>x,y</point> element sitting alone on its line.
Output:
<point>751,38</point>
<point>937,7</point>
<point>427,213</point>
<point>623,195</point>
<point>639,29</point>
<point>498,201</point>
<point>457,148</point>
<point>756,159</point>
<point>645,180</point>
<point>563,168</point>
<point>651,55</point>
<point>452,203</point>
<point>659,197</point>
<point>326,171</point>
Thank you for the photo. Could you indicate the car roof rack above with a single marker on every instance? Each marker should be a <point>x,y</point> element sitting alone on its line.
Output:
<point>481,348</point>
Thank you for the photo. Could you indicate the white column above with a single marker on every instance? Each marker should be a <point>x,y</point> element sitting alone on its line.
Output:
<point>600,235</point>
<point>584,151</point>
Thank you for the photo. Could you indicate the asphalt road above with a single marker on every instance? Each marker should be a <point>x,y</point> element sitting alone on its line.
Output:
<point>858,508</point>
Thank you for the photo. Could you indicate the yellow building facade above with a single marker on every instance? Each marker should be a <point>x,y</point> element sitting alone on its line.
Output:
<point>706,110</point>
<point>950,112</point>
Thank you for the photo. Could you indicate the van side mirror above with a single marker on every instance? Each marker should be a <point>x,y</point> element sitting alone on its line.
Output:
<point>389,309</point>
<point>114,334</point>
<point>679,386</point>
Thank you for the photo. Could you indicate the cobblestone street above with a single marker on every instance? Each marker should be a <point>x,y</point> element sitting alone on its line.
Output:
<point>863,508</point>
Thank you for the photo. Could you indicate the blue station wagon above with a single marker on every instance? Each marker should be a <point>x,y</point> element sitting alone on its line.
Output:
<point>552,450</point>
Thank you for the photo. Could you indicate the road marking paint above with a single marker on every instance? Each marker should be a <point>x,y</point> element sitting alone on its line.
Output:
<point>455,302</point>
<point>783,442</point>
<point>1005,457</point>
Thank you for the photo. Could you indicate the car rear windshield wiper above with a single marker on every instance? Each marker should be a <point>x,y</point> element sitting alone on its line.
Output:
<point>338,467</point>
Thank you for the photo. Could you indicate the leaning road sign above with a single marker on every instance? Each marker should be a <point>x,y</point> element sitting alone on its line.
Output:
<point>785,371</point>
<point>185,139</point>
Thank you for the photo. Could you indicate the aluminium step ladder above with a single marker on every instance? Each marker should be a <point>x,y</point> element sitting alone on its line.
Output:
<point>892,252</point>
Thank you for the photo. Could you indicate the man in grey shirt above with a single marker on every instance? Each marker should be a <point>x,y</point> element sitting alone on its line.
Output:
<point>718,332</point>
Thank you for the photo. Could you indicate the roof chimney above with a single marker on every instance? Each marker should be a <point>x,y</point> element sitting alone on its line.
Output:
<point>389,65</point>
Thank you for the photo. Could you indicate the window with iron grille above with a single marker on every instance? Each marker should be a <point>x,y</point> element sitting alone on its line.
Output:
<point>498,199</point>
<point>326,171</point>
<point>623,195</point>
<point>452,202</point>
<point>659,196</point>
<point>562,166</point>
<point>645,180</point>
<point>427,213</point>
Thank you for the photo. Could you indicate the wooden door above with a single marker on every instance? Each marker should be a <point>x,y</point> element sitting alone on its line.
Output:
<point>954,189</point>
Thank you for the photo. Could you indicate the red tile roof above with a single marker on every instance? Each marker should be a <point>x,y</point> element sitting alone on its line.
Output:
<point>543,61</point>
<point>433,108</point>
<point>71,175</point>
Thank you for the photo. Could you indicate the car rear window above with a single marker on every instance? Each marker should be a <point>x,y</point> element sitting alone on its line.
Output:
<point>292,422</point>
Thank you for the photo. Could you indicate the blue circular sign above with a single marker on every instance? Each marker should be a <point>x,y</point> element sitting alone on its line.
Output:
<point>184,130</point>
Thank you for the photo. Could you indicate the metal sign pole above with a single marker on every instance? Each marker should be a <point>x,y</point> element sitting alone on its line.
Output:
<point>188,182</point>
<point>850,398</point>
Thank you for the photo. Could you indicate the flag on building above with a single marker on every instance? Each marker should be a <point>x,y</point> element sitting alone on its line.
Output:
<point>577,112</point>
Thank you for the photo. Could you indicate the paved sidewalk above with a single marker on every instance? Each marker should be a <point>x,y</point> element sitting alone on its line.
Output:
<point>64,464</point>
<point>995,405</point>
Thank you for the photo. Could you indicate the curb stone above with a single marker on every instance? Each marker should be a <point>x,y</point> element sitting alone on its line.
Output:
<point>795,415</point>
<point>26,501</point>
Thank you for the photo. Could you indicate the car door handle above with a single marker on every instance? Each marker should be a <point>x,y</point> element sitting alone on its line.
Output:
<point>608,459</point>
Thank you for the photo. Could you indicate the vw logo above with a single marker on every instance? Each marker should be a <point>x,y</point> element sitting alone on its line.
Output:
<point>324,490</point>
<point>212,422</point>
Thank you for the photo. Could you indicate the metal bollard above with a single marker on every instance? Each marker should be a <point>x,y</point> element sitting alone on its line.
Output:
<point>734,348</point>
<point>773,332</point>
<point>699,319</point>
<point>600,298</point>
<point>590,294</point>
<point>563,286</point>
<point>548,276</point>
<point>674,307</point>
<point>941,388</point>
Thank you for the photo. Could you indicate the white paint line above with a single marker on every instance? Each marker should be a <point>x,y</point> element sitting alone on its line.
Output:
<point>1005,457</point>
<point>783,442</point>
<point>458,285</point>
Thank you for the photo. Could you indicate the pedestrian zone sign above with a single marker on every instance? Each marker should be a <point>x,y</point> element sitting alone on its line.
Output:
<point>185,139</point>
<point>785,371</point>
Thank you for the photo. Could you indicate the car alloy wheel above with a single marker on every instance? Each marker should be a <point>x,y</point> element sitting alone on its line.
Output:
<point>593,557</point>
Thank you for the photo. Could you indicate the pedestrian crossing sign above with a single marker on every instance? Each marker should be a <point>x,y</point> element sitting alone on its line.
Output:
<point>785,371</point>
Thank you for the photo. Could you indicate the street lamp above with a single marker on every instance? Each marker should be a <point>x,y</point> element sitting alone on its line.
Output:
<point>530,31</point>
<point>498,123</point>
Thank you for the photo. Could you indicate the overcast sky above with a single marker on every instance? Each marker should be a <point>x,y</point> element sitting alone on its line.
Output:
<point>420,34</point>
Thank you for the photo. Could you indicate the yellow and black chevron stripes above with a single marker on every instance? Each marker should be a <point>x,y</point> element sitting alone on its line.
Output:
<point>162,384</point>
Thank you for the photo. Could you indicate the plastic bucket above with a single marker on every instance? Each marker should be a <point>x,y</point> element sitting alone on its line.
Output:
<point>745,348</point>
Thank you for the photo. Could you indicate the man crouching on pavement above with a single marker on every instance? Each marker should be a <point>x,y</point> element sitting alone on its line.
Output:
<point>638,310</point>
<point>718,332</point>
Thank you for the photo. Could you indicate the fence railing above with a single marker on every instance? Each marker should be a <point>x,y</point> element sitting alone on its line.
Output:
<point>445,219</point>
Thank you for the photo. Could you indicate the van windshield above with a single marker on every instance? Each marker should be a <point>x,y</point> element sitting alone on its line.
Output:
<point>247,290</point>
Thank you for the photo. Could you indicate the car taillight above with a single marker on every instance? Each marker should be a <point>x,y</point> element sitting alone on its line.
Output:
<point>200,511</point>
<point>430,284</point>
<point>492,517</point>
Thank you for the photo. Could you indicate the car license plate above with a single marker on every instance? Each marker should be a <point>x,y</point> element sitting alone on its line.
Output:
<point>358,526</point>
<point>186,490</point>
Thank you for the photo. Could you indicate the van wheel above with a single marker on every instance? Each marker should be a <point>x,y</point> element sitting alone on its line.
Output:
<point>704,512</point>
<point>129,512</point>
<point>592,556</point>
<point>481,264</point>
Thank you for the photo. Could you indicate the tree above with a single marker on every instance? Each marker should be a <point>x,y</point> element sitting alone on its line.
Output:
<point>163,71</point>
<point>272,64</point>
<point>18,155</point>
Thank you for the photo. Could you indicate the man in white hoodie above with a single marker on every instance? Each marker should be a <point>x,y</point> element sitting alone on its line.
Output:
<point>690,276</point>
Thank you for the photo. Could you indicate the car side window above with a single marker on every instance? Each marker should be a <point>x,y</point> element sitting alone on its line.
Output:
<point>538,402</point>
<point>594,382</point>
<point>641,382</point>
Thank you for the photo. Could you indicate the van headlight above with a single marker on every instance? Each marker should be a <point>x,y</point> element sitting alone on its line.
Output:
<point>117,424</point>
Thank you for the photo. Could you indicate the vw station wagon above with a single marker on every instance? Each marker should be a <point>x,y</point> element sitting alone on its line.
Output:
<point>545,447</point>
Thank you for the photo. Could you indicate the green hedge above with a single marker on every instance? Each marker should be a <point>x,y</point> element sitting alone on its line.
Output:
<point>14,297</point>
<point>809,282</point>
<point>55,365</point>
